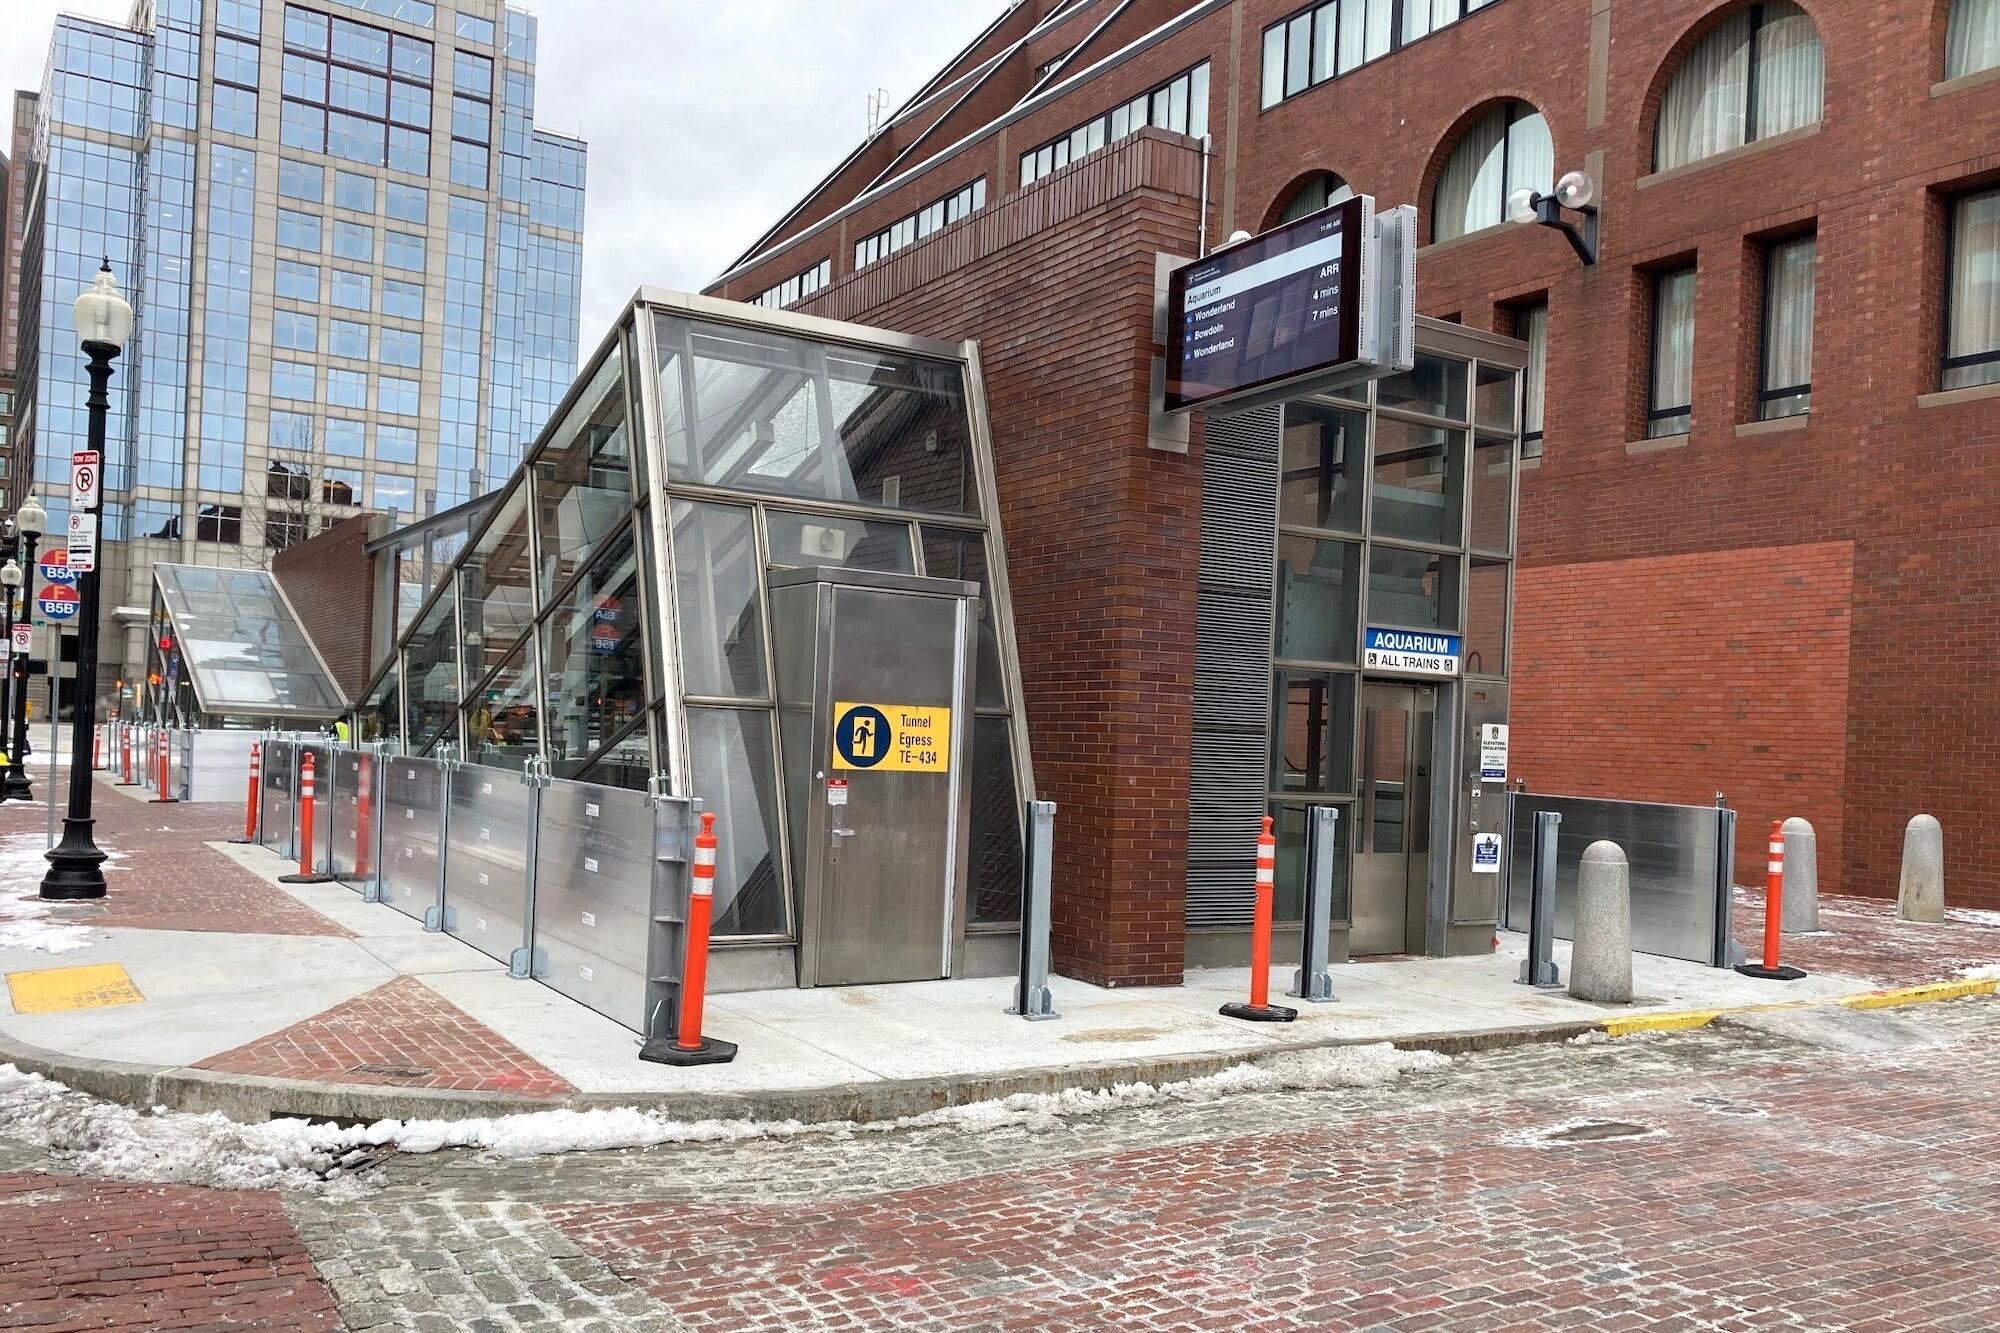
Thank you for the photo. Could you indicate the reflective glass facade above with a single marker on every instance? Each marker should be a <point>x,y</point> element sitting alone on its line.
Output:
<point>316,208</point>
<point>610,610</point>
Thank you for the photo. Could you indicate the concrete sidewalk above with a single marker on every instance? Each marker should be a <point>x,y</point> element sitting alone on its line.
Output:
<point>208,985</point>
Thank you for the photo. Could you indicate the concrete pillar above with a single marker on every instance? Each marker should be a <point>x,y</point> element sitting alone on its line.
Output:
<point>1600,962</point>
<point>1920,897</point>
<point>1801,912</point>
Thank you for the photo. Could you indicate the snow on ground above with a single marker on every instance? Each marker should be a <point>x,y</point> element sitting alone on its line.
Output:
<point>24,918</point>
<point>1983,972</point>
<point>106,1139</point>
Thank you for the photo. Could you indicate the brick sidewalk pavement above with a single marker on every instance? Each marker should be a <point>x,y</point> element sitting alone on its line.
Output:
<point>81,1254</point>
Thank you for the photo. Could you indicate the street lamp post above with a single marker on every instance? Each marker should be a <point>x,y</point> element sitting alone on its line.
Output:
<point>76,865</point>
<point>29,523</point>
<point>10,586</point>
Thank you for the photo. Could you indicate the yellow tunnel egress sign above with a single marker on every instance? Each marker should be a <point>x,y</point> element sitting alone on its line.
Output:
<point>892,738</point>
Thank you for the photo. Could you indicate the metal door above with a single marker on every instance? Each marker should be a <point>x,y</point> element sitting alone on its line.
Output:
<point>1392,848</point>
<point>875,734</point>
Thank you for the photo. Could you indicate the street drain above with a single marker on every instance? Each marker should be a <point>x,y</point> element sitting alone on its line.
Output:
<point>1599,1131</point>
<point>1720,1106</point>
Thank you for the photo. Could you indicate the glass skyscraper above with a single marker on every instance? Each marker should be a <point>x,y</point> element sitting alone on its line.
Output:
<point>356,265</point>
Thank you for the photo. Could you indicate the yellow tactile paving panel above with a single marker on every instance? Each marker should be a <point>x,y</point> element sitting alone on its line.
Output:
<point>57,990</point>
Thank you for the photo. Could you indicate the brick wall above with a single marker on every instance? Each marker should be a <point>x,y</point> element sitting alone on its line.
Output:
<point>1671,678</point>
<point>1101,532</point>
<point>330,581</point>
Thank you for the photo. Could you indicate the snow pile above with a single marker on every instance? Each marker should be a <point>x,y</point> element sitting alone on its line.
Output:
<point>1983,972</point>
<point>24,918</point>
<point>100,1138</point>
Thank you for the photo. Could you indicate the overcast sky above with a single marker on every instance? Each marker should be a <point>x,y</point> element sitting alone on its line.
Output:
<point>705,118</point>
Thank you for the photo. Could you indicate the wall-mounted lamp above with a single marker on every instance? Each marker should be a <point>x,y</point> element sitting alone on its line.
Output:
<point>1576,192</point>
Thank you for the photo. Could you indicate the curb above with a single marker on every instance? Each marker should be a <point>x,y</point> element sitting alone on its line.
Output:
<point>1929,992</point>
<point>252,1098</point>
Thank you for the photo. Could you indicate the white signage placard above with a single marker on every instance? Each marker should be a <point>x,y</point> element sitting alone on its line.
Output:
<point>1411,652</point>
<point>82,542</point>
<point>86,475</point>
<point>1486,854</point>
<point>1493,752</point>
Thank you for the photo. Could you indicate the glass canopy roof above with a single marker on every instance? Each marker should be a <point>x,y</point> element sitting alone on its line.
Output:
<point>232,635</point>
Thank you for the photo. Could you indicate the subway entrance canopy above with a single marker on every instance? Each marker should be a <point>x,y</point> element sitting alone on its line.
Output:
<point>755,560</point>
<point>225,648</point>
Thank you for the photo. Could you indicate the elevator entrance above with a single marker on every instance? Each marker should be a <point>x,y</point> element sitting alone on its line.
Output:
<point>1393,851</point>
<point>874,710</point>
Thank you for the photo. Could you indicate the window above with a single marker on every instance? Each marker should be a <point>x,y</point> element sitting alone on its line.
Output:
<point>1972,37</point>
<point>1670,400</point>
<point>1180,105</point>
<point>356,92</point>
<point>301,180</point>
<point>234,111</point>
<point>401,347</point>
<point>1331,39</point>
<point>352,240</point>
<point>352,291</point>
<point>281,529</point>
<point>472,73</point>
<point>219,523</point>
<point>1760,72</point>
<point>294,379</point>
<point>407,203</point>
<point>1315,193</point>
<point>474,29</point>
<point>347,338</point>
<point>469,164</point>
<point>796,288</point>
<point>938,213</point>
<point>397,395</point>
<point>393,494</point>
<point>1531,326</point>
<point>347,388</point>
<point>403,251</point>
<point>346,439</point>
<point>1505,150</point>
<point>296,281</point>
<point>291,430</point>
<point>1784,386</point>
<point>299,231</point>
<point>354,191</point>
<point>395,444</point>
<point>403,300</point>
<point>295,331</point>
<point>1972,293</point>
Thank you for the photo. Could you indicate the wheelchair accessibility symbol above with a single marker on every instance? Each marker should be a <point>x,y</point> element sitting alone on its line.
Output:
<point>861,737</point>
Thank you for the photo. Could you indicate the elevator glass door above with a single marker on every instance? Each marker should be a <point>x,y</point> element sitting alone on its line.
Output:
<point>1392,852</point>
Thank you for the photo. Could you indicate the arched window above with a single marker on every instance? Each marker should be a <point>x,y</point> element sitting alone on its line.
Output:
<point>1505,149</point>
<point>1761,72</point>
<point>1972,37</point>
<point>1313,194</point>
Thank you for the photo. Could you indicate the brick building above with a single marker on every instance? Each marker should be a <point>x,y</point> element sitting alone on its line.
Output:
<point>1749,547</point>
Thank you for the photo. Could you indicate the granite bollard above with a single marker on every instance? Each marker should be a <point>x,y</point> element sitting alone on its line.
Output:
<point>1920,896</point>
<point>1600,960</point>
<point>1800,912</point>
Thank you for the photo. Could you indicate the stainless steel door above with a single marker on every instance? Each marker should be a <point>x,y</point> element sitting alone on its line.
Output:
<point>886,899</point>
<point>1392,851</point>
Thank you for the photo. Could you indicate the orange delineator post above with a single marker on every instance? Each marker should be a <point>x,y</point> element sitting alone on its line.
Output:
<point>306,874</point>
<point>1774,910</point>
<point>125,756</point>
<point>96,748</point>
<point>161,770</point>
<point>689,1047</point>
<point>256,780</point>
<point>363,815</point>
<point>1260,1009</point>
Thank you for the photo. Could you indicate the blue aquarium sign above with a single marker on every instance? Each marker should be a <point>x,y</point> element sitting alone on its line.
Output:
<point>1411,652</point>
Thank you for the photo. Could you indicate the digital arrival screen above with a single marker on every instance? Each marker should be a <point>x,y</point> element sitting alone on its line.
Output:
<point>1281,306</point>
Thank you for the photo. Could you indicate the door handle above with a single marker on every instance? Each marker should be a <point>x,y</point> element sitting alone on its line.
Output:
<point>843,832</point>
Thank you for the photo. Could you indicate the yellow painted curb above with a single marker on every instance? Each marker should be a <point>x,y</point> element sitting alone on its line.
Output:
<point>1680,1022</point>
<point>1925,994</point>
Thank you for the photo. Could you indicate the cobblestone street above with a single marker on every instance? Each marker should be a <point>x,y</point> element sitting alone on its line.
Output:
<point>1824,1169</point>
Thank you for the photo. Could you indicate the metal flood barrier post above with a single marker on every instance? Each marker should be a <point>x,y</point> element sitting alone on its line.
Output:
<point>1314,980</point>
<point>1681,860</point>
<point>1032,999</point>
<point>674,822</point>
<point>1539,967</point>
